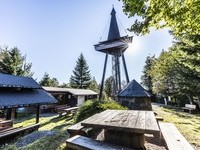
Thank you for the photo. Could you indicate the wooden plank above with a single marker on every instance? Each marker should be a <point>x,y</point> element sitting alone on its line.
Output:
<point>83,143</point>
<point>173,138</point>
<point>140,122</point>
<point>151,125</point>
<point>71,108</point>
<point>113,119</point>
<point>133,119</point>
<point>102,116</point>
<point>6,123</point>
<point>19,130</point>
<point>95,118</point>
<point>159,118</point>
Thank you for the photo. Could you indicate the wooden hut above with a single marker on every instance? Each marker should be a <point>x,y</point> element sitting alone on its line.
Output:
<point>71,97</point>
<point>135,97</point>
<point>17,91</point>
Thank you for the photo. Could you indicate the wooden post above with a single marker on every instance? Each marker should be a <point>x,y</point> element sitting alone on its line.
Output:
<point>12,114</point>
<point>37,113</point>
<point>103,77</point>
<point>125,68</point>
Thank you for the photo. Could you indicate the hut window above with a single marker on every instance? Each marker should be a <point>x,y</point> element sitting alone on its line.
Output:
<point>69,96</point>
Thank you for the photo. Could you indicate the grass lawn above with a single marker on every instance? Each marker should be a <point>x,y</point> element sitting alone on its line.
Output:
<point>48,123</point>
<point>188,124</point>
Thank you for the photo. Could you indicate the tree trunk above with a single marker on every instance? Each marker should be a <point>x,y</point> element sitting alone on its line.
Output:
<point>190,98</point>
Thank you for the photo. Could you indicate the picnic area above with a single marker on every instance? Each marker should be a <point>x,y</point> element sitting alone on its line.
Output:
<point>65,85</point>
<point>54,128</point>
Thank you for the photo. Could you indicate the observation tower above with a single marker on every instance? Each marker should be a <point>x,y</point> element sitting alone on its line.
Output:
<point>115,45</point>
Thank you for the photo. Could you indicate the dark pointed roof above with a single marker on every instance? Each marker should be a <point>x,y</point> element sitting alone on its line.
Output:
<point>17,91</point>
<point>113,30</point>
<point>134,89</point>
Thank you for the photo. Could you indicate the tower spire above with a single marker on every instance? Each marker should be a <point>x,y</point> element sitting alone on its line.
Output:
<point>113,30</point>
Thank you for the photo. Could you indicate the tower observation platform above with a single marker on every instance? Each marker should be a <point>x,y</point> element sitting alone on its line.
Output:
<point>115,45</point>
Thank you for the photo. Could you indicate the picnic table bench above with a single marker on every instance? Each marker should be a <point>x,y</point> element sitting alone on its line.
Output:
<point>84,143</point>
<point>69,110</point>
<point>173,138</point>
<point>4,124</point>
<point>76,129</point>
<point>13,132</point>
<point>59,108</point>
<point>159,118</point>
<point>189,107</point>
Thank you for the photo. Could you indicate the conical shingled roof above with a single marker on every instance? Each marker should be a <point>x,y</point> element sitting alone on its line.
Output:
<point>114,30</point>
<point>134,89</point>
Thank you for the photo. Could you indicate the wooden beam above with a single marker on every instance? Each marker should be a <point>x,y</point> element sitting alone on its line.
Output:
<point>103,77</point>
<point>13,113</point>
<point>37,113</point>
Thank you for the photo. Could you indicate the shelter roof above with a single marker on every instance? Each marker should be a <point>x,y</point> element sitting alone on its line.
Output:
<point>17,91</point>
<point>134,89</point>
<point>77,92</point>
<point>17,81</point>
<point>25,98</point>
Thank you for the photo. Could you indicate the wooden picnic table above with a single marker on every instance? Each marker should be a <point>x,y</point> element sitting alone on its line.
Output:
<point>124,127</point>
<point>70,109</point>
<point>67,110</point>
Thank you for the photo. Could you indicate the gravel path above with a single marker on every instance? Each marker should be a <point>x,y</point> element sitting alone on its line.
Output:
<point>30,138</point>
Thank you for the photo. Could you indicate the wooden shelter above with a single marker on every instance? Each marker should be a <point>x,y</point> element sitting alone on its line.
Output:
<point>17,91</point>
<point>71,97</point>
<point>135,97</point>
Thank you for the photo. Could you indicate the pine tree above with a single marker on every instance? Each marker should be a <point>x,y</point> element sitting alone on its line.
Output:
<point>146,77</point>
<point>81,74</point>
<point>47,81</point>
<point>12,62</point>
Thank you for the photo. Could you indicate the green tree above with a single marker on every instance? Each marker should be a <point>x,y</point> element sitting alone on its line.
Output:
<point>164,74</point>
<point>93,85</point>
<point>187,53</point>
<point>12,62</point>
<point>181,16</point>
<point>146,79</point>
<point>81,74</point>
<point>174,73</point>
<point>47,81</point>
<point>65,85</point>
<point>108,86</point>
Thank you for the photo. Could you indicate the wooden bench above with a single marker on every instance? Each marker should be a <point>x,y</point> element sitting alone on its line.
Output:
<point>158,118</point>
<point>9,134</point>
<point>173,138</point>
<point>47,108</point>
<point>61,107</point>
<point>5,124</point>
<point>84,143</point>
<point>189,107</point>
<point>8,129</point>
<point>76,129</point>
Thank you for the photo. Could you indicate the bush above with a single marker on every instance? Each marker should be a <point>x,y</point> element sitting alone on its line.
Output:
<point>92,107</point>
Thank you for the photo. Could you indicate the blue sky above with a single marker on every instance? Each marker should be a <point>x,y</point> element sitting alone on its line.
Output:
<point>53,33</point>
